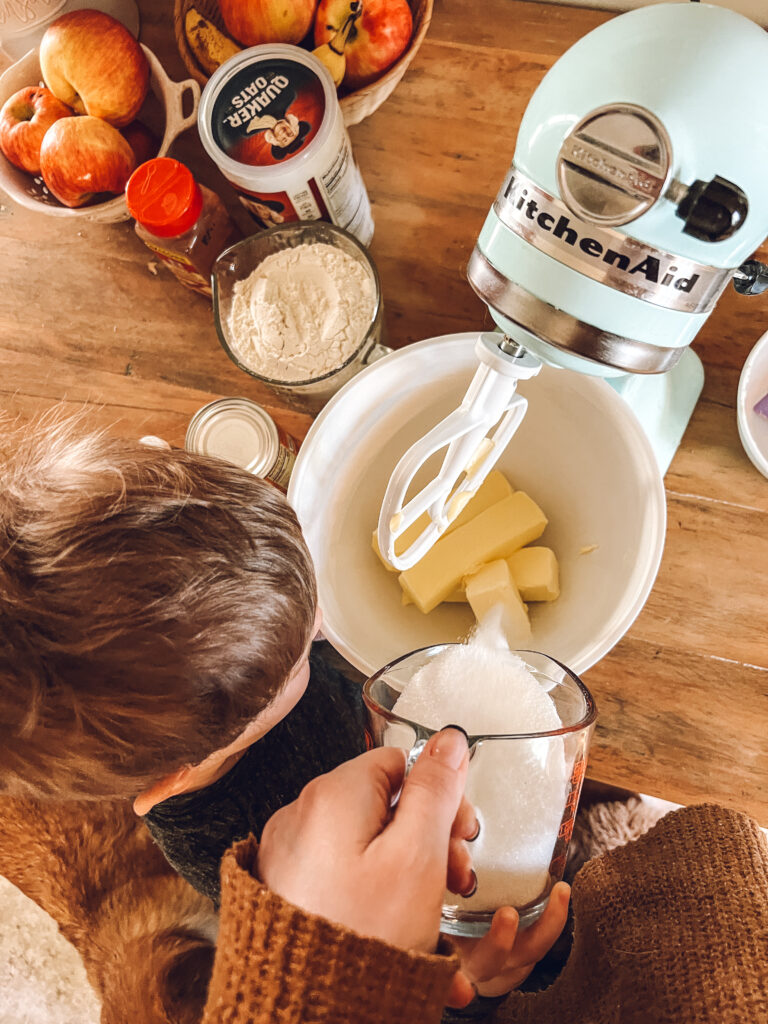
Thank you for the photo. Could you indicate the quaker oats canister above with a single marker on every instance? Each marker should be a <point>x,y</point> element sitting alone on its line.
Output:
<point>241,432</point>
<point>270,120</point>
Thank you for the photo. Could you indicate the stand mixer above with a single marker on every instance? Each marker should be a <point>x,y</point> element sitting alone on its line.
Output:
<point>636,193</point>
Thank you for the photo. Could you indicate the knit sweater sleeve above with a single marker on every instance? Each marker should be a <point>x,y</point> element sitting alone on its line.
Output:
<point>276,964</point>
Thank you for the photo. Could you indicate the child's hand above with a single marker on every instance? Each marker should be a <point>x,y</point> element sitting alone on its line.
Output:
<point>341,852</point>
<point>503,959</point>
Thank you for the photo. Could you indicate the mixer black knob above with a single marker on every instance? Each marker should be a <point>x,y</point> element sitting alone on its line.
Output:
<point>713,210</point>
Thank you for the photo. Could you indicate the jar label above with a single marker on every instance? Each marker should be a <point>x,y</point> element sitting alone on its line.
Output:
<point>268,111</point>
<point>280,473</point>
<point>182,269</point>
<point>337,195</point>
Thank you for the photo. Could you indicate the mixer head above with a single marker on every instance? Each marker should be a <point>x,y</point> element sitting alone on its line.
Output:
<point>636,193</point>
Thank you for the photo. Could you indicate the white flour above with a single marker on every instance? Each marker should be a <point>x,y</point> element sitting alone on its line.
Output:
<point>301,313</point>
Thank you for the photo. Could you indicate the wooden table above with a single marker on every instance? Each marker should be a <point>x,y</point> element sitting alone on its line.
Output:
<point>683,698</point>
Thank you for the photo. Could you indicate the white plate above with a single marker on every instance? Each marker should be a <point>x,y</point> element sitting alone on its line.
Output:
<point>580,453</point>
<point>753,385</point>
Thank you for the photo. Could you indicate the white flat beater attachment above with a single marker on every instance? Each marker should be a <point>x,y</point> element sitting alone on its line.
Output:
<point>490,404</point>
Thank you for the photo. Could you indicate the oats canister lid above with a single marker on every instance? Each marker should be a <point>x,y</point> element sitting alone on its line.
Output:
<point>268,106</point>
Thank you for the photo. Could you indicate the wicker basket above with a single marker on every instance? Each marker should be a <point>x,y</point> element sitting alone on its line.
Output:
<point>355,105</point>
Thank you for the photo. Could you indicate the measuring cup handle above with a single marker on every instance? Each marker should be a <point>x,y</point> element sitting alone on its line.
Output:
<point>376,352</point>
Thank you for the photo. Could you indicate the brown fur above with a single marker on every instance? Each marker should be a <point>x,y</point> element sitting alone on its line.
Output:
<point>145,936</point>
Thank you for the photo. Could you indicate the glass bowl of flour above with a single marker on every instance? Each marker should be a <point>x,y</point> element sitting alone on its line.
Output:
<point>299,308</point>
<point>529,720</point>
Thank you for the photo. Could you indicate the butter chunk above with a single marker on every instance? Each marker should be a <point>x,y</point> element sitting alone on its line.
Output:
<point>492,489</point>
<point>497,532</point>
<point>492,591</point>
<point>536,574</point>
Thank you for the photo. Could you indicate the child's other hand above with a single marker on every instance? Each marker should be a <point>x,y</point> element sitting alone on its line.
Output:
<point>341,852</point>
<point>503,959</point>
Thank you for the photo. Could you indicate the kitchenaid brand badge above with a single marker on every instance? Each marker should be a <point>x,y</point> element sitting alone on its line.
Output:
<point>268,111</point>
<point>605,255</point>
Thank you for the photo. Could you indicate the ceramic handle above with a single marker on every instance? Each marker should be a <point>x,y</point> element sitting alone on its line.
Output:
<point>176,113</point>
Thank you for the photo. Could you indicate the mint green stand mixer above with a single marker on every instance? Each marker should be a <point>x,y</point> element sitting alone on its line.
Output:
<point>638,190</point>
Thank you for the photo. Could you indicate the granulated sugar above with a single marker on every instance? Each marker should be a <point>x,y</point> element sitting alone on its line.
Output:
<point>482,690</point>
<point>301,313</point>
<point>518,786</point>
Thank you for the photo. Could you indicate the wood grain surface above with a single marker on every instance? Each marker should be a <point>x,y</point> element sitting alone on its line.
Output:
<point>683,699</point>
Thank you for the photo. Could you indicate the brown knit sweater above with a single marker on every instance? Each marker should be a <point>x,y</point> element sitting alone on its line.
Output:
<point>277,965</point>
<point>670,929</point>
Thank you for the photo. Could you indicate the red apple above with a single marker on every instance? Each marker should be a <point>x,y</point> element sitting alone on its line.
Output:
<point>81,156</point>
<point>379,36</point>
<point>141,140</point>
<point>93,63</point>
<point>24,120</point>
<point>267,21</point>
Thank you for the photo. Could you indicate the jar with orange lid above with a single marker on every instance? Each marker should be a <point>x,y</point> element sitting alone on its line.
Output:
<point>185,224</point>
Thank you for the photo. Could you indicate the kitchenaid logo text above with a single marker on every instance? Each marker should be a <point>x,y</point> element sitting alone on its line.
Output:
<point>255,97</point>
<point>597,162</point>
<point>660,270</point>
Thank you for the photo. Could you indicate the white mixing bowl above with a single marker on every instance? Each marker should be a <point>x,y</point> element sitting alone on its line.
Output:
<point>580,453</point>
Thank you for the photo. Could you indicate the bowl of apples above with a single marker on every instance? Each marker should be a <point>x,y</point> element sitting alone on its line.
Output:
<point>366,45</point>
<point>80,112</point>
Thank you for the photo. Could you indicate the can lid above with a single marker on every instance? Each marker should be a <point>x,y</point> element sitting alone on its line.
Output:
<point>163,197</point>
<point>267,107</point>
<point>236,430</point>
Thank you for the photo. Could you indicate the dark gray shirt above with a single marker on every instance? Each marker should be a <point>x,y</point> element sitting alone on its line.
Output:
<point>326,728</point>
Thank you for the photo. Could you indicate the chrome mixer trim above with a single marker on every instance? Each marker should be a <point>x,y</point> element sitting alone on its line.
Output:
<point>561,330</point>
<point>607,256</point>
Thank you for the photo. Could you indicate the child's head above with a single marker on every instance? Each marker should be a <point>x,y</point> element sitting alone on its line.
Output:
<point>152,603</point>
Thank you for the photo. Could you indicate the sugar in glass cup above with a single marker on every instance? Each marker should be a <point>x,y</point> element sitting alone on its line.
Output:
<point>241,259</point>
<point>524,787</point>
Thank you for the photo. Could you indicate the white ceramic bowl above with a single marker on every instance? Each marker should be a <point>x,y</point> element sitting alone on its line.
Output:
<point>580,453</point>
<point>27,191</point>
<point>753,385</point>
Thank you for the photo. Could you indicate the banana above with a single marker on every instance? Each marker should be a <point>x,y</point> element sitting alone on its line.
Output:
<point>210,46</point>
<point>334,61</point>
<point>332,53</point>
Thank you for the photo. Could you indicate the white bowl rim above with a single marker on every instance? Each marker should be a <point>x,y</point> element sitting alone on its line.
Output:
<point>656,498</point>
<point>756,455</point>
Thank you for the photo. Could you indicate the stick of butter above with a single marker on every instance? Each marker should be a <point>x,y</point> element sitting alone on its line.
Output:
<point>496,533</point>
<point>536,574</point>
<point>492,489</point>
<point>491,590</point>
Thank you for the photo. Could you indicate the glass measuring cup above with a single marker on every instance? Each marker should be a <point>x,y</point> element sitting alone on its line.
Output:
<point>241,259</point>
<point>525,789</point>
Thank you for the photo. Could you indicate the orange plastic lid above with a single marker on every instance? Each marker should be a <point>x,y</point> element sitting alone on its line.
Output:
<point>163,197</point>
